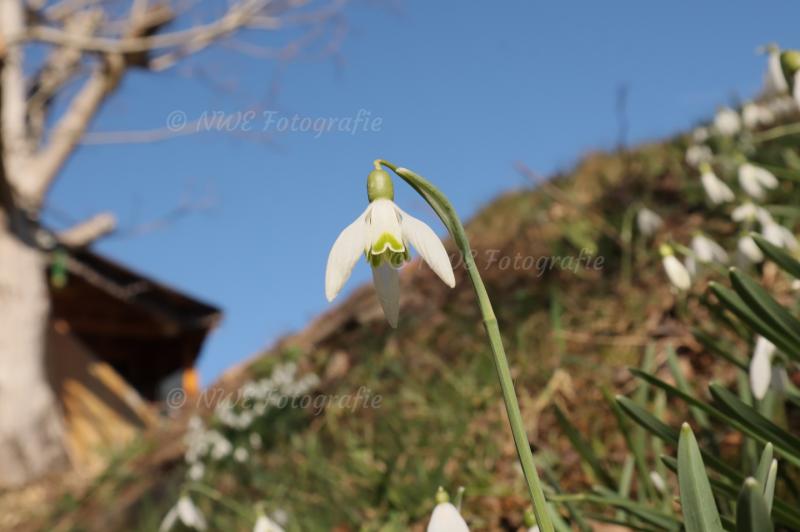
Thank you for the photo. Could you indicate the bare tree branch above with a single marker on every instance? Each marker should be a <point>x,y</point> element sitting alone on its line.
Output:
<point>89,231</point>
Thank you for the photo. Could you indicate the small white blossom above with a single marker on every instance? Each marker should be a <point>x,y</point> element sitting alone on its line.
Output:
<point>748,248</point>
<point>698,154</point>
<point>648,221</point>
<point>384,234</point>
<point>676,272</point>
<point>196,471</point>
<point>761,367</point>
<point>716,189</point>
<point>445,518</point>
<point>727,122</point>
<point>780,236</point>
<point>755,179</point>
<point>241,455</point>
<point>187,513</point>
<point>748,211</point>
<point>775,81</point>
<point>658,482</point>
<point>755,115</point>
<point>706,250</point>
<point>255,440</point>
<point>700,135</point>
<point>265,524</point>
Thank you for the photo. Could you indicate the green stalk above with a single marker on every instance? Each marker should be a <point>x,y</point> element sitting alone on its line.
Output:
<point>447,214</point>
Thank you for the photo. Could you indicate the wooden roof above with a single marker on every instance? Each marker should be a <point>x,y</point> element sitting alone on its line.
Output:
<point>144,329</point>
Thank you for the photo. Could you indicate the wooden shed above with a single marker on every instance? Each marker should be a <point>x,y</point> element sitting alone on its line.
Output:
<point>115,338</point>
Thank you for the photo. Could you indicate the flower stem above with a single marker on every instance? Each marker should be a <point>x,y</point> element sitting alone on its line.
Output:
<point>447,214</point>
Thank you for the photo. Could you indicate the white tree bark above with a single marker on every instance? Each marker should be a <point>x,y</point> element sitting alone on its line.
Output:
<point>31,433</point>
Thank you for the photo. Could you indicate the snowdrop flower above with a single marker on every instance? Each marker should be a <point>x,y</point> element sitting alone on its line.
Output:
<point>706,250</point>
<point>780,236</point>
<point>265,524</point>
<point>716,189</point>
<point>700,135</point>
<point>530,521</point>
<point>749,212</point>
<point>648,221</point>
<point>384,234</point>
<point>196,471</point>
<point>755,179</point>
<point>748,248</point>
<point>241,455</point>
<point>445,517</point>
<point>697,154</point>
<point>755,115</point>
<point>187,513</point>
<point>676,271</point>
<point>774,81</point>
<point>255,440</point>
<point>658,482</point>
<point>761,367</point>
<point>727,122</point>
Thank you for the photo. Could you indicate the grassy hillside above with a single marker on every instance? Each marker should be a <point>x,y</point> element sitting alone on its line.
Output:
<point>424,406</point>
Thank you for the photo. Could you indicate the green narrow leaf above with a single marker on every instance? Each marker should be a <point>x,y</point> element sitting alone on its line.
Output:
<point>752,514</point>
<point>724,351</point>
<point>785,261</point>
<point>769,484</point>
<point>697,501</point>
<point>734,303</point>
<point>683,385</point>
<point>765,305</point>
<point>583,448</point>
<point>764,464</point>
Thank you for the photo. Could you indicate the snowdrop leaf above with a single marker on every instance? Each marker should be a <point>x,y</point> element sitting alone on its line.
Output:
<point>779,256</point>
<point>697,500</point>
<point>752,514</point>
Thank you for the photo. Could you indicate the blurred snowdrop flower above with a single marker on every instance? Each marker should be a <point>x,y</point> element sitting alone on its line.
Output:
<point>648,222</point>
<point>697,154</point>
<point>196,471</point>
<point>676,272</point>
<point>774,80</point>
<point>658,482</point>
<point>265,524</point>
<point>727,122</point>
<point>780,236</point>
<point>748,212</point>
<point>716,189</point>
<point>706,250</point>
<point>187,513</point>
<point>384,233</point>
<point>445,517</point>
<point>241,455</point>
<point>748,249</point>
<point>755,115</point>
<point>700,135</point>
<point>255,440</point>
<point>761,367</point>
<point>530,521</point>
<point>754,180</point>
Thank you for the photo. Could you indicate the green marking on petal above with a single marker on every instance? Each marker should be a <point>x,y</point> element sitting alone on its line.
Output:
<point>387,242</point>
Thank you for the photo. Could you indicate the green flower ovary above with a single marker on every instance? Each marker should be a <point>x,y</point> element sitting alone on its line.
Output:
<point>387,248</point>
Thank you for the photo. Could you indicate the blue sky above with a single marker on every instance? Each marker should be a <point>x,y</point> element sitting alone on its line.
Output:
<point>461,94</point>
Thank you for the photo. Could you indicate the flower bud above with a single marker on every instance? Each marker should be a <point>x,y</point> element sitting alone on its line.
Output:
<point>379,185</point>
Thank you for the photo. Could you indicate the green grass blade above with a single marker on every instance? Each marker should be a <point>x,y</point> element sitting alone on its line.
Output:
<point>785,261</point>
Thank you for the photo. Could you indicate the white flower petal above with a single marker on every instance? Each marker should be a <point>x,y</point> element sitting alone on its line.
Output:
<point>677,273</point>
<point>169,520</point>
<point>189,514</point>
<point>349,246</point>
<point>749,249</point>
<point>384,219</point>
<point>445,518</point>
<point>387,285</point>
<point>648,222</point>
<point>265,524</point>
<point>761,367</point>
<point>429,246</point>
<point>716,189</point>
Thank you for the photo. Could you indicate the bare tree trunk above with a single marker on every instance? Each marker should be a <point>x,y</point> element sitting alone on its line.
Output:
<point>31,432</point>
